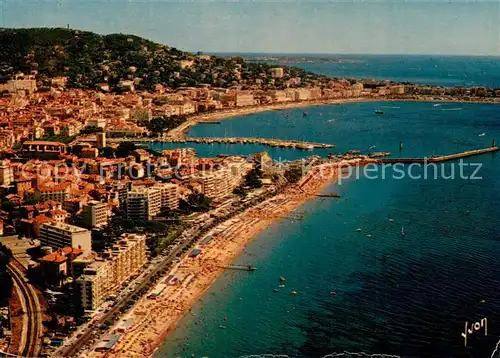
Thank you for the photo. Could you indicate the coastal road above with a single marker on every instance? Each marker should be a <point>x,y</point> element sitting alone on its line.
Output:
<point>32,308</point>
<point>72,349</point>
<point>186,239</point>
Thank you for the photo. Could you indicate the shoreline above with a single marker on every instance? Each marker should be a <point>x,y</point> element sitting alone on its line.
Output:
<point>154,320</point>
<point>180,131</point>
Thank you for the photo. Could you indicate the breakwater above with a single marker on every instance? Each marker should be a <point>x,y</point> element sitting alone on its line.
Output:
<point>440,158</point>
<point>271,142</point>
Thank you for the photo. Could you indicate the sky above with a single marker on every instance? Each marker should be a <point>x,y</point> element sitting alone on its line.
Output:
<point>279,26</point>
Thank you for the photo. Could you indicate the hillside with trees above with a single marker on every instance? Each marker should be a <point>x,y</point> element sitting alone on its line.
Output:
<point>90,60</point>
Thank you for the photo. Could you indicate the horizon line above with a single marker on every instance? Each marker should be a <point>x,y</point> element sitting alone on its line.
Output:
<point>346,53</point>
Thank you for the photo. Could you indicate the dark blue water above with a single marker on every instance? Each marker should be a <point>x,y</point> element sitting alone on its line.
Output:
<point>424,128</point>
<point>466,71</point>
<point>407,296</point>
<point>432,70</point>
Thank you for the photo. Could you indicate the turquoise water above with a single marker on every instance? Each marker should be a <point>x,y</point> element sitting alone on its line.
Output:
<point>407,296</point>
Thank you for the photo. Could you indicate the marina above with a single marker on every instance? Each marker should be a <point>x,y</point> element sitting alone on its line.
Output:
<point>271,142</point>
<point>405,227</point>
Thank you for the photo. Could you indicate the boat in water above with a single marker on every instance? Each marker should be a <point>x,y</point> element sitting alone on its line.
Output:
<point>436,105</point>
<point>378,111</point>
<point>304,114</point>
<point>481,135</point>
<point>402,231</point>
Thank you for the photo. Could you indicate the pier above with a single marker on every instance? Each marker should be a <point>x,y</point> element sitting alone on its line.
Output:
<point>440,158</point>
<point>332,195</point>
<point>241,267</point>
<point>271,142</point>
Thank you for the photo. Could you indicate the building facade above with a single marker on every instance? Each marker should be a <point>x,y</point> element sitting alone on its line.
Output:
<point>95,214</point>
<point>216,184</point>
<point>102,278</point>
<point>6,173</point>
<point>58,235</point>
<point>143,203</point>
<point>169,195</point>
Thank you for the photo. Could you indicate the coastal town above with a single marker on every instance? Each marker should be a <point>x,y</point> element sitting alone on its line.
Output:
<point>109,241</point>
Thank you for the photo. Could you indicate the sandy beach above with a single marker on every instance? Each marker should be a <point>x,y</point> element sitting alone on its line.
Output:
<point>153,320</point>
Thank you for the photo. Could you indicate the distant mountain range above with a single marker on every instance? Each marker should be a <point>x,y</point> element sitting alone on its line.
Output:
<point>89,60</point>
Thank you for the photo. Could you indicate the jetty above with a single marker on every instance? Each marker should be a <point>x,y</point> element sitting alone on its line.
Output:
<point>440,158</point>
<point>271,142</point>
<point>241,267</point>
<point>331,195</point>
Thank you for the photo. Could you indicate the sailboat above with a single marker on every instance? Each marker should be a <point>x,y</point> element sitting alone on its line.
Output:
<point>402,231</point>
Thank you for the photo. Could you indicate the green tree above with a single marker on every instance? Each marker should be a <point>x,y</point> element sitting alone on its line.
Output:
<point>125,149</point>
<point>195,202</point>
<point>293,174</point>
<point>252,179</point>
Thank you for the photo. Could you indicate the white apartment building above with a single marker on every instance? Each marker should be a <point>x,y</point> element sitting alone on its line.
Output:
<point>104,277</point>
<point>143,203</point>
<point>97,122</point>
<point>216,184</point>
<point>22,84</point>
<point>244,99</point>
<point>95,214</point>
<point>277,72</point>
<point>6,173</point>
<point>101,140</point>
<point>169,195</point>
<point>59,235</point>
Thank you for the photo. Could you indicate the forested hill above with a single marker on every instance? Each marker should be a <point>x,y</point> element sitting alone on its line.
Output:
<point>89,59</point>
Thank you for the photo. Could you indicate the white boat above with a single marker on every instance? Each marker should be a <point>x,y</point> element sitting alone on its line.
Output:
<point>436,105</point>
<point>481,135</point>
<point>402,231</point>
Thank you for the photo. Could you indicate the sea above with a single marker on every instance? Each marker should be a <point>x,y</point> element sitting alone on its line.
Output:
<point>361,286</point>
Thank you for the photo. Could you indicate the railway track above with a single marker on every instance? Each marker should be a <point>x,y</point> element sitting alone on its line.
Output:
<point>32,346</point>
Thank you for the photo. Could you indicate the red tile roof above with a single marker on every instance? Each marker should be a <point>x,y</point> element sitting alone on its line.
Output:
<point>41,219</point>
<point>60,256</point>
<point>43,142</point>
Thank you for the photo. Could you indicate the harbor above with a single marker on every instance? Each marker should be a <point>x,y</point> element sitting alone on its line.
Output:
<point>271,142</point>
